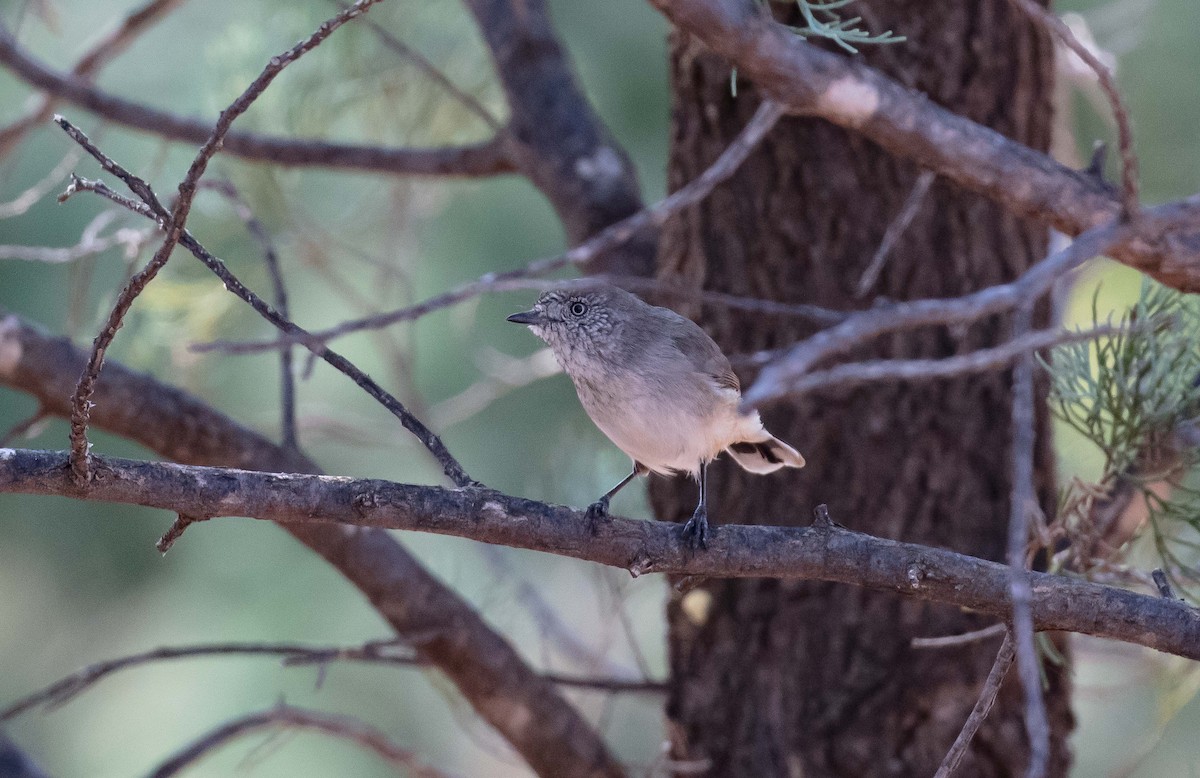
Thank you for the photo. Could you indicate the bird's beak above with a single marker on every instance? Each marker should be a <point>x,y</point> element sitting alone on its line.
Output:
<point>526,317</point>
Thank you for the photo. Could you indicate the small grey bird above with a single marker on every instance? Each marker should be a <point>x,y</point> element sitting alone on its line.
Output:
<point>655,384</point>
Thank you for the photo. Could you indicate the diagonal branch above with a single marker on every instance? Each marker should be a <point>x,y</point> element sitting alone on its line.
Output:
<point>81,404</point>
<point>548,732</point>
<point>491,157</point>
<point>781,376</point>
<point>983,706</point>
<point>1129,160</point>
<point>823,551</point>
<point>586,254</point>
<point>290,717</point>
<point>558,141</point>
<point>152,209</point>
<point>89,64</point>
<point>811,82</point>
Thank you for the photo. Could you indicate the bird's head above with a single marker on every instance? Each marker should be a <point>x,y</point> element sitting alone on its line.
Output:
<point>578,320</point>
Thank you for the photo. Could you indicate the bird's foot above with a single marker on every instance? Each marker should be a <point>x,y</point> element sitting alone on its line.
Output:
<point>695,531</point>
<point>596,513</point>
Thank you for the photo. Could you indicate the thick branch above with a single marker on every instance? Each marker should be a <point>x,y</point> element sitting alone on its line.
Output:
<point>482,159</point>
<point>525,708</point>
<point>811,82</point>
<point>558,141</point>
<point>825,552</point>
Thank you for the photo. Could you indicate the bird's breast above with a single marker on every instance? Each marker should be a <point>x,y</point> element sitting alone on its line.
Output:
<point>667,427</point>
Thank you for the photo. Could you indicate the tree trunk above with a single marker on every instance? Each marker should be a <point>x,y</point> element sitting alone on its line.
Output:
<point>784,678</point>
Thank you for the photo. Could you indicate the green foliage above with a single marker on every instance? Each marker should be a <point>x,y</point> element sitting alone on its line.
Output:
<point>1136,395</point>
<point>821,20</point>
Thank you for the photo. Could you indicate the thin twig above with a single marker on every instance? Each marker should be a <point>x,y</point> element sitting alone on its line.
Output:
<point>605,240</point>
<point>388,652</point>
<point>402,49</point>
<point>667,288</point>
<point>90,244</point>
<point>779,376</point>
<point>25,426</point>
<point>1023,501</point>
<point>1160,581</point>
<point>286,716</point>
<point>501,374</point>
<point>81,404</point>
<point>487,158</point>
<point>450,465</point>
<point>26,200</point>
<point>1129,160</point>
<point>103,52</point>
<point>963,639</point>
<point>981,361</point>
<point>908,212</point>
<point>987,697</point>
<point>175,531</point>
<point>287,377</point>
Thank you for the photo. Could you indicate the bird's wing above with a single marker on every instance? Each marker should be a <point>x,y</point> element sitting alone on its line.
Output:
<point>704,354</point>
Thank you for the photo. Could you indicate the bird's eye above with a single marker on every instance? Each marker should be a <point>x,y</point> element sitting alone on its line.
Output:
<point>578,308</point>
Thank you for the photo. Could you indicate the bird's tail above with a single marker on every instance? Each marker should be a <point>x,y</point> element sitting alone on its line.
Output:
<point>765,456</point>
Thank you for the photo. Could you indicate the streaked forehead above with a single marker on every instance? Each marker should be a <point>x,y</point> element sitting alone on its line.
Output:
<point>560,296</point>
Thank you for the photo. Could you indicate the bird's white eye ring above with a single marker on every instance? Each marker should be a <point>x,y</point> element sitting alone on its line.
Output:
<point>578,308</point>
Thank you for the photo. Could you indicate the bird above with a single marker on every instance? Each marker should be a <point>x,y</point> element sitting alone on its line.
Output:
<point>657,386</point>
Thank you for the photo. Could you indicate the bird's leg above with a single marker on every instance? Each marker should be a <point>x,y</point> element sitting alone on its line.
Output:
<point>599,509</point>
<point>696,529</point>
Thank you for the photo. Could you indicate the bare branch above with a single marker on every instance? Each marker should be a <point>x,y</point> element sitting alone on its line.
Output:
<point>778,377</point>
<point>581,255</point>
<point>824,552</point>
<point>175,531</point>
<point>1163,585</point>
<point>26,200</point>
<point>987,697</point>
<point>286,716</point>
<point>966,638</point>
<point>390,652</point>
<point>492,157</point>
<point>103,52</point>
<point>557,140</point>
<point>1129,160</point>
<point>1023,501</point>
<point>501,374</point>
<point>25,427</point>
<point>550,734</point>
<point>174,226</point>
<point>908,212</point>
<point>287,377</point>
<point>808,81</point>
<point>152,208</point>
<point>404,51</point>
<point>91,243</point>
<point>981,361</point>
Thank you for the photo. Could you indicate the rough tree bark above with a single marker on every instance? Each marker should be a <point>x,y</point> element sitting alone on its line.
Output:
<point>778,678</point>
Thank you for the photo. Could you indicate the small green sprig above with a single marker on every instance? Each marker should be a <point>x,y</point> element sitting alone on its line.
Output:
<point>821,20</point>
<point>844,32</point>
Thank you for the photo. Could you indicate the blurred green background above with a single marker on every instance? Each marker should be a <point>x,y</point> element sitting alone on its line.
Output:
<point>82,582</point>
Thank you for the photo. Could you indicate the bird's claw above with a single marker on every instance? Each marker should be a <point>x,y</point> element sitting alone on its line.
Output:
<point>695,531</point>
<point>597,512</point>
